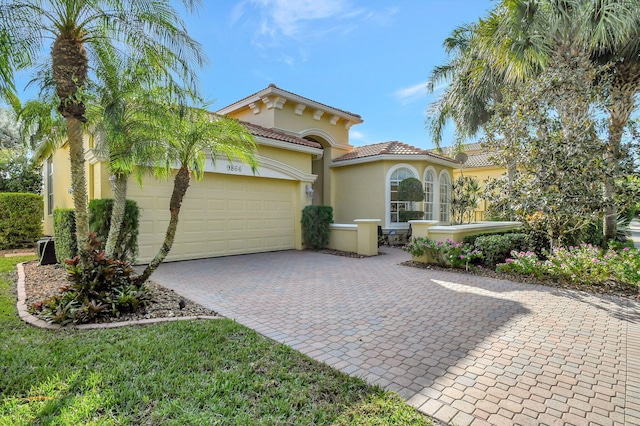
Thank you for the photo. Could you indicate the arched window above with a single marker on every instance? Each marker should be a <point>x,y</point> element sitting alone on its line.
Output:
<point>429,195</point>
<point>445,196</point>
<point>397,206</point>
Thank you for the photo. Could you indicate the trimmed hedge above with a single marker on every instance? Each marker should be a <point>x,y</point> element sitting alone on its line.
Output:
<point>20,219</point>
<point>407,215</point>
<point>64,225</point>
<point>471,238</point>
<point>100,221</point>
<point>315,226</point>
<point>497,248</point>
<point>64,231</point>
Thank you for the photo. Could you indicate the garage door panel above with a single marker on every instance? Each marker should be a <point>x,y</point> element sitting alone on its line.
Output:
<point>221,215</point>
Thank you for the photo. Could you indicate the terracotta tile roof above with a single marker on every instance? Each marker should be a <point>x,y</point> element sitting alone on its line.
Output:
<point>387,148</point>
<point>294,94</point>
<point>260,131</point>
<point>479,160</point>
<point>467,148</point>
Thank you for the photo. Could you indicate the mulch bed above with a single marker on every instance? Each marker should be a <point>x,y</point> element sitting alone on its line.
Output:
<point>44,281</point>
<point>345,253</point>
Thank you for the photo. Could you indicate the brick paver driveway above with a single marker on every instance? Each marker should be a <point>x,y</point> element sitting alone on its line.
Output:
<point>460,348</point>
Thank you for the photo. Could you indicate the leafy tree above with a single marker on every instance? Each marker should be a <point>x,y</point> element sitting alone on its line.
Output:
<point>517,41</point>
<point>148,29</point>
<point>18,173</point>
<point>557,189</point>
<point>9,129</point>
<point>186,136</point>
<point>522,41</point>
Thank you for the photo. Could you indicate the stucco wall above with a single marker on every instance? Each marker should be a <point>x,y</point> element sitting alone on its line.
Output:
<point>482,175</point>
<point>359,192</point>
<point>298,160</point>
<point>286,118</point>
<point>361,189</point>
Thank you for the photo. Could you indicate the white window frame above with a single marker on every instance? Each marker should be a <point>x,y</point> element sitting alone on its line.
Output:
<point>49,180</point>
<point>444,191</point>
<point>388,216</point>
<point>430,203</point>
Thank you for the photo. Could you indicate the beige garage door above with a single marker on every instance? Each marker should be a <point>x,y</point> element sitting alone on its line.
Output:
<point>221,215</point>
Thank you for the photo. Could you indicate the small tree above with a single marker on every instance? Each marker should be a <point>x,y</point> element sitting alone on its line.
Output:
<point>410,189</point>
<point>465,194</point>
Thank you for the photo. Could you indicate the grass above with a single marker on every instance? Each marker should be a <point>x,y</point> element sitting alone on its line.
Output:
<point>179,373</point>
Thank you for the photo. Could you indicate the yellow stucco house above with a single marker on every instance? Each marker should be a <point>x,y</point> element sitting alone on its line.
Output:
<point>305,158</point>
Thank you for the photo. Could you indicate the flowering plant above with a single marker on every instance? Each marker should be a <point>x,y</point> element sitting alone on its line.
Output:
<point>585,263</point>
<point>523,262</point>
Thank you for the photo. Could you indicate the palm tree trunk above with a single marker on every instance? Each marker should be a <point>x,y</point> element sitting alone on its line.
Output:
<point>180,186</point>
<point>119,187</point>
<point>620,109</point>
<point>79,186</point>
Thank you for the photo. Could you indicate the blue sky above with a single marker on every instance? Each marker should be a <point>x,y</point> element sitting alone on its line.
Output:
<point>369,57</point>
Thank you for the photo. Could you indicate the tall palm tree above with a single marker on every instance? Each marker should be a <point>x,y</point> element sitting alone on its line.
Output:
<point>471,87</point>
<point>150,29</point>
<point>187,136</point>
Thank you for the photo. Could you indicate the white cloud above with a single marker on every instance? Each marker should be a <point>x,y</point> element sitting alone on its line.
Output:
<point>354,134</point>
<point>410,94</point>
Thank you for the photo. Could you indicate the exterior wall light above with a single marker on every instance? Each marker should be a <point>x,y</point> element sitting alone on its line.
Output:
<point>309,192</point>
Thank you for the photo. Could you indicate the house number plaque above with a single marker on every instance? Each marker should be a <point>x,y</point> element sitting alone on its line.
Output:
<point>234,168</point>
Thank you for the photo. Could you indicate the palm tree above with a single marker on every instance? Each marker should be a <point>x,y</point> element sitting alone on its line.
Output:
<point>148,29</point>
<point>186,136</point>
<point>471,87</point>
<point>124,123</point>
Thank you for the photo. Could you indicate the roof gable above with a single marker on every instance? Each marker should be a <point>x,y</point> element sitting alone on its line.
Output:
<point>273,96</point>
<point>390,148</point>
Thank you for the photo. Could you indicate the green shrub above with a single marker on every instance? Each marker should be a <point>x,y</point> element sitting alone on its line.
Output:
<point>64,231</point>
<point>444,253</point>
<point>471,238</point>
<point>20,219</point>
<point>315,226</point>
<point>496,248</point>
<point>106,288</point>
<point>407,215</point>
<point>100,221</point>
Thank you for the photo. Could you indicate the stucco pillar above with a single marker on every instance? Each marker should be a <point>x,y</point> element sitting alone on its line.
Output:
<point>420,228</point>
<point>367,236</point>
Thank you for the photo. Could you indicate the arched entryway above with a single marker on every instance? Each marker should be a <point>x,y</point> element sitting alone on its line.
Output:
<point>320,168</point>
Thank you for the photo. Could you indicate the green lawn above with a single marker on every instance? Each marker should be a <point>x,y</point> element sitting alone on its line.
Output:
<point>181,373</point>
